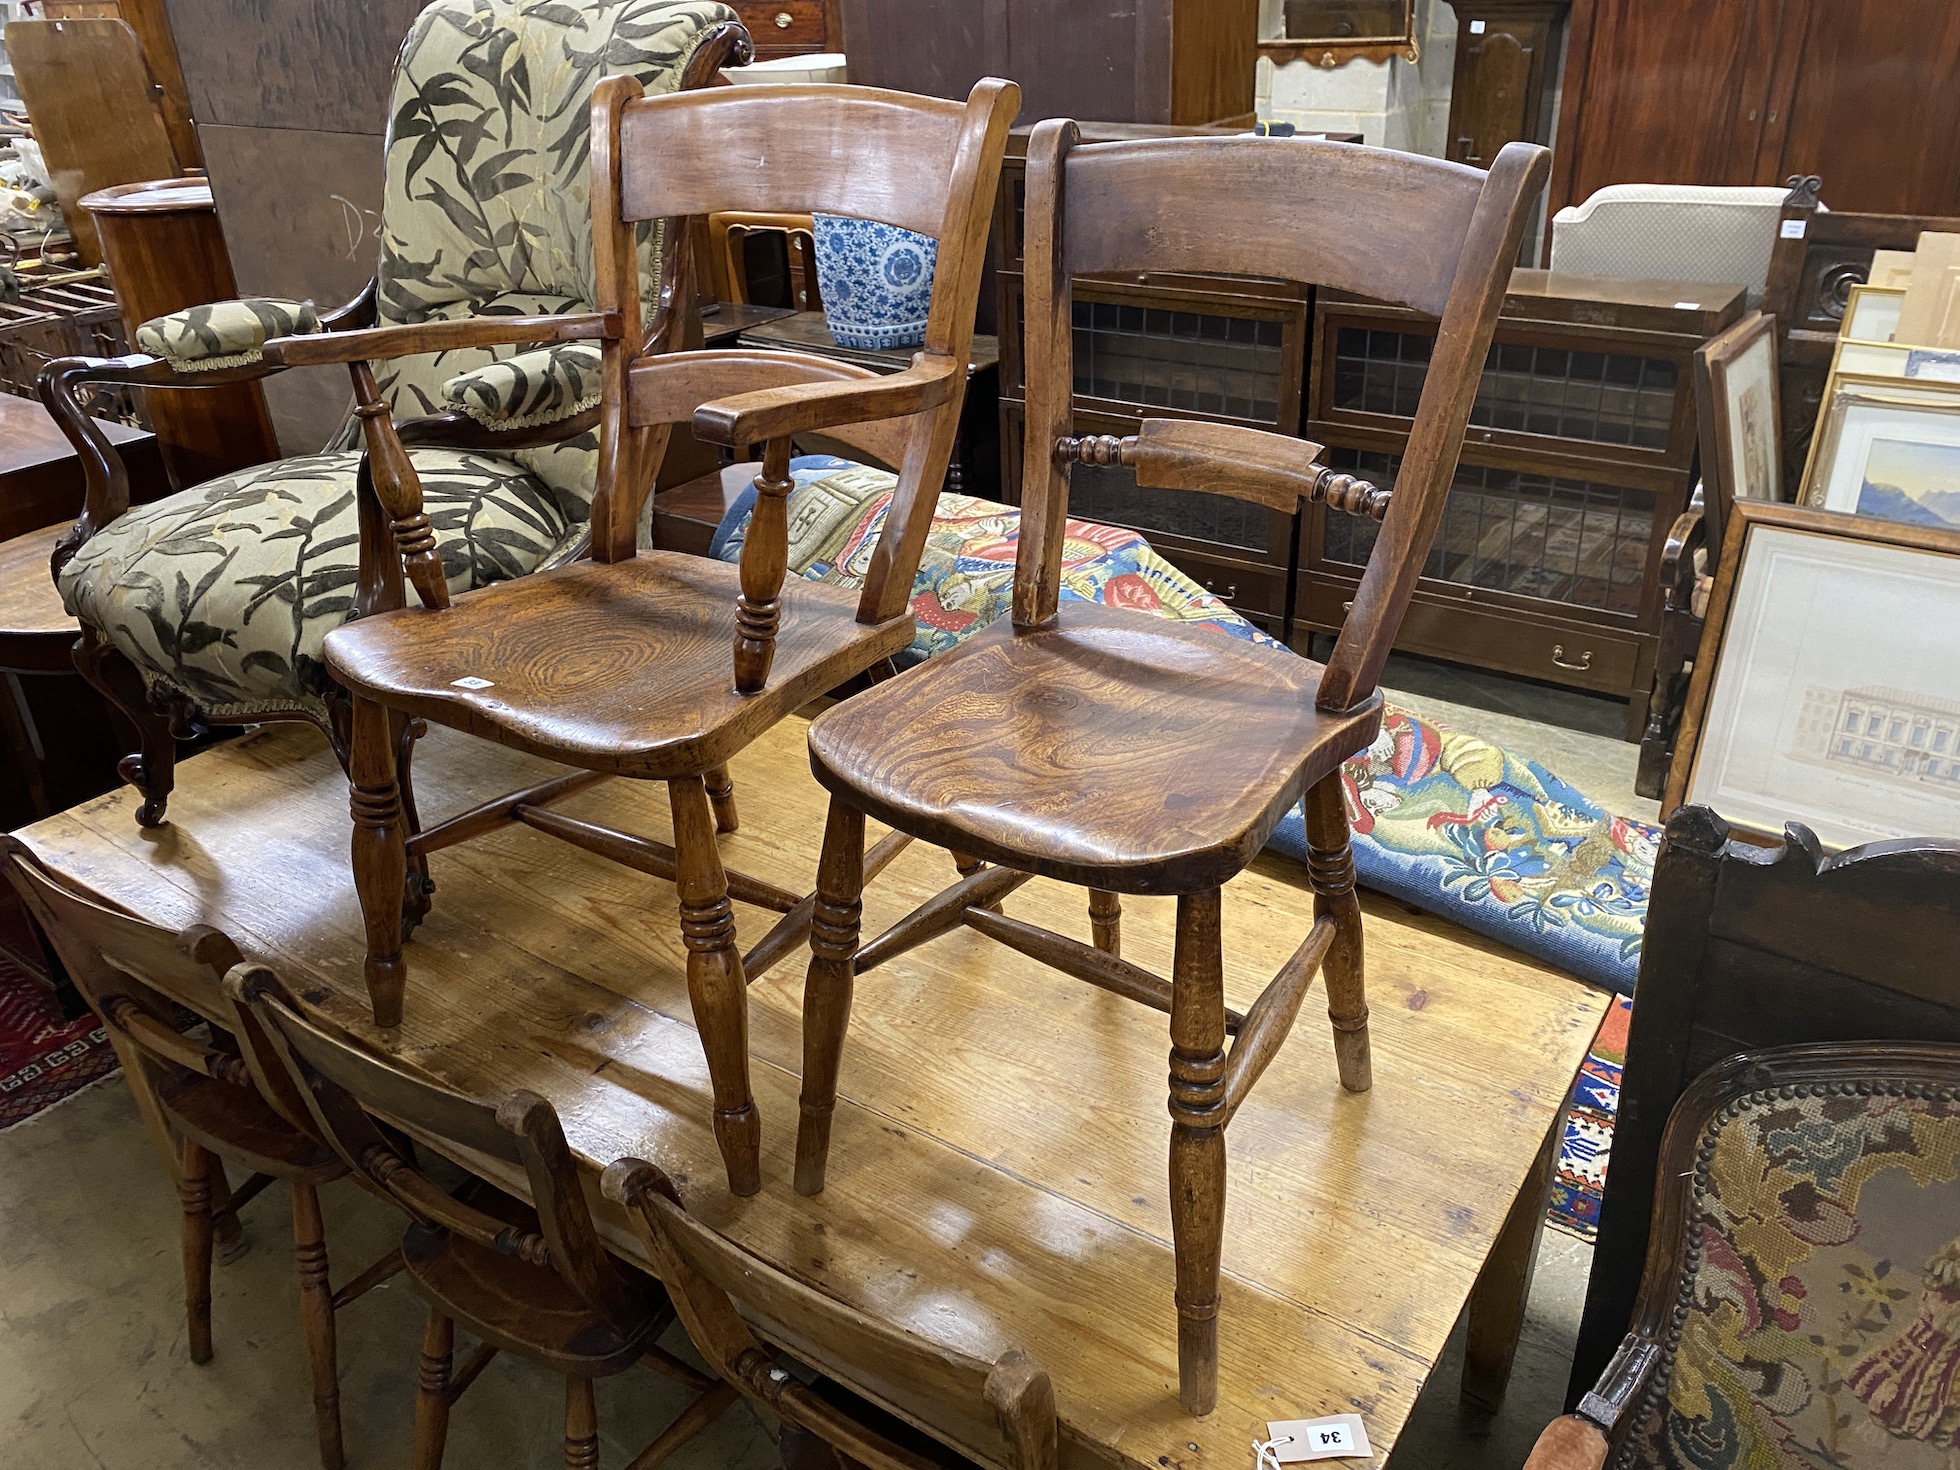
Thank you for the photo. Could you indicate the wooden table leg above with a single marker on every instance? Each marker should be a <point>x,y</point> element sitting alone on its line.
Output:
<point>1497,1301</point>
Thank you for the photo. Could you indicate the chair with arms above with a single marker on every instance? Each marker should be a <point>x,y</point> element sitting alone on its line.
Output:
<point>210,606</point>
<point>660,666</point>
<point>1801,1302</point>
<point>1131,754</point>
<point>534,1280</point>
<point>203,1103</point>
<point>1000,1414</point>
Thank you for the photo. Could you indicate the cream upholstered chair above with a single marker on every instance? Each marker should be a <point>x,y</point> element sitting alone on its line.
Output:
<point>211,605</point>
<point>1671,232</point>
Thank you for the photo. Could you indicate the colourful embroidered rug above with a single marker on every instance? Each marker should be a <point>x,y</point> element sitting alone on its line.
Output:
<point>1441,819</point>
<point>1587,1142</point>
<point>43,1056</point>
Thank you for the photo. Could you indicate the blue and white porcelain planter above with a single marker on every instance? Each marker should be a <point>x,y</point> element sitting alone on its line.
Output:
<point>876,281</point>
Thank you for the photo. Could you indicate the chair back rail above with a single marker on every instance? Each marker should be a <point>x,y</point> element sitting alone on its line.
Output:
<point>1000,1413</point>
<point>1302,210</point>
<point>347,1089</point>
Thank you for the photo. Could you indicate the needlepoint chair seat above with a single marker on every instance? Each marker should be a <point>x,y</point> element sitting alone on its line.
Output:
<point>1165,754</point>
<point>621,667</point>
<point>227,590</point>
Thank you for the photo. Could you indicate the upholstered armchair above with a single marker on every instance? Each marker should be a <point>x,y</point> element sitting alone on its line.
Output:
<point>211,606</point>
<point>1801,1305</point>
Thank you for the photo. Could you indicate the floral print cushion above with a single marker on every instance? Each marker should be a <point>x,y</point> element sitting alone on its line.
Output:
<point>537,387</point>
<point>224,333</point>
<point>1819,1324</point>
<point>226,591</point>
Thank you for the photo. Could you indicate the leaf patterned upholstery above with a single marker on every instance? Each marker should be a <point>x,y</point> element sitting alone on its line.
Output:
<point>1817,1321</point>
<point>224,333</point>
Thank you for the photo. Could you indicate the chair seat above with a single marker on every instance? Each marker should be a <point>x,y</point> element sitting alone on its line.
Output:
<point>624,667</point>
<point>491,1294</point>
<point>226,591</point>
<point>1111,749</point>
<point>239,1124</point>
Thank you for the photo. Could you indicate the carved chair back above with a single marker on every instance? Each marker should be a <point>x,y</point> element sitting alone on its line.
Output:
<point>1000,1413</point>
<point>1427,234</point>
<point>920,163</point>
<point>348,1089</point>
<point>1803,1282</point>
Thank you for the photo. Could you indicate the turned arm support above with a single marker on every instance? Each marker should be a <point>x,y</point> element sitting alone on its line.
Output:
<point>799,408</point>
<point>1225,459</point>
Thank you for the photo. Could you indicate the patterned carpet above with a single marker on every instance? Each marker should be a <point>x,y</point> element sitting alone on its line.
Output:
<point>1588,1140</point>
<point>44,1057</point>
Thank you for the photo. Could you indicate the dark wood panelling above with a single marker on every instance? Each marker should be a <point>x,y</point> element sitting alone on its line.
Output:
<point>313,64</point>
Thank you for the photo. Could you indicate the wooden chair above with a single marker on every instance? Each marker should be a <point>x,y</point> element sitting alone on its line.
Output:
<point>728,232</point>
<point>203,1103</point>
<point>1800,1291</point>
<point>1000,1414</point>
<point>534,1280</point>
<point>620,663</point>
<point>1129,753</point>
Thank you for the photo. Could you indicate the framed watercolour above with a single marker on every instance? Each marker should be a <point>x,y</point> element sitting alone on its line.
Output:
<point>1736,394</point>
<point>1827,687</point>
<point>1888,449</point>
<point>1872,313</point>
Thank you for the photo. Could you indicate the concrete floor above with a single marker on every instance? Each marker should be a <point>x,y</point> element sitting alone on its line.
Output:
<point>94,1372</point>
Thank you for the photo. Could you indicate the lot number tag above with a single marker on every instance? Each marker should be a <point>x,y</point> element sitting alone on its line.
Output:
<point>1337,1437</point>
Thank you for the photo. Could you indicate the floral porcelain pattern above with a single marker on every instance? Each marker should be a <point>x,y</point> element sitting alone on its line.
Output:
<point>875,279</point>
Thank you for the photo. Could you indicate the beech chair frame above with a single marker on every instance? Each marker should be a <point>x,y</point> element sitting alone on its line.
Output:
<point>1435,236</point>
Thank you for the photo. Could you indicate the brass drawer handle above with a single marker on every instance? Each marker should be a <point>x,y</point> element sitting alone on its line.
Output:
<point>784,20</point>
<point>1231,590</point>
<point>1347,606</point>
<point>1558,657</point>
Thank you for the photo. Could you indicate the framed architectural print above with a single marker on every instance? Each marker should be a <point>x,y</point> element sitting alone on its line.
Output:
<point>1890,450</point>
<point>1827,687</point>
<point>1735,388</point>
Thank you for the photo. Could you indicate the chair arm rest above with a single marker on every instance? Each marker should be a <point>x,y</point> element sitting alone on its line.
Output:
<point>372,343</point>
<point>531,389</point>
<point>777,413</point>
<point>224,334</point>
<point>1568,1443</point>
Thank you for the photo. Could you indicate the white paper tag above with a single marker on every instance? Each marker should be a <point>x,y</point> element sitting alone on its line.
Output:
<point>1476,28</point>
<point>1337,1437</point>
<point>472,682</point>
<point>1687,306</point>
<point>1793,229</point>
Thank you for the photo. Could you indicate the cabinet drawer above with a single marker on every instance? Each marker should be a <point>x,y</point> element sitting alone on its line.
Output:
<point>776,24</point>
<point>1253,591</point>
<point>1451,627</point>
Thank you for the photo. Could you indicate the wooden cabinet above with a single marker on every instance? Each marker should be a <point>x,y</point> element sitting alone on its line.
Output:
<point>1148,61</point>
<point>1506,58</point>
<point>791,27</point>
<point>1580,454</point>
<point>1865,93</point>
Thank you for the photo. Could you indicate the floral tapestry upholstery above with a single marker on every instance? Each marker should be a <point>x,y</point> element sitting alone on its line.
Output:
<point>1819,1317</point>
<point>224,333</point>
<point>226,591</point>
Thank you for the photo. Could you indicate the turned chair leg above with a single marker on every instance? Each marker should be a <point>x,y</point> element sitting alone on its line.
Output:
<point>721,795</point>
<point>834,933</point>
<point>194,1190</point>
<point>1106,921</point>
<point>716,986</point>
<point>968,865</point>
<point>432,1391</point>
<point>152,769</point>
<point>380,856</point>
<point>1330,870</point>
<point>1197,1104</point>
<point>316,1313</point>
<point>581,1425</point>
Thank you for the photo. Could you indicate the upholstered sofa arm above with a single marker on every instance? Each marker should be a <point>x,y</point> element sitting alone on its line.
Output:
<point>531,389</point>
<point>224,334</point>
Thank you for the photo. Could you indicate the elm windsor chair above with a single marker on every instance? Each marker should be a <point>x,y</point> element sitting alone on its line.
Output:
<point>203,1103</point>
<point>1001,1414</point>
<point>532,1280</point>
<point>1131,754</point>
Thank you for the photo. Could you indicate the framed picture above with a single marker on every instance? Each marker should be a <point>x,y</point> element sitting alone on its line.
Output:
<point>1827,687</point>
<point>1890,450</point>
<point>1736,393</point>
<point>1872,314</point>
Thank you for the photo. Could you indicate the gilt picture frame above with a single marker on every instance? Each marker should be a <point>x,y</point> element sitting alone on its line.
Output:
<point>1888,449</point>
<point>1827,687</point>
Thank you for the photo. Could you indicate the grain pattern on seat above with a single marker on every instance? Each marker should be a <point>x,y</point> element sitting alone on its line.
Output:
<point>620,666</point>
<point>1146,757</point>
<point>230,1120</point>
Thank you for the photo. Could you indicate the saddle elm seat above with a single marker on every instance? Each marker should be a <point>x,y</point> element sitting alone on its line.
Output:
<point>622,667</point>
<point>1120,699</point>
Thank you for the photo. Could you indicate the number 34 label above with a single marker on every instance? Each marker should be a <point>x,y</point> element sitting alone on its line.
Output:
<point>1337,1437</point>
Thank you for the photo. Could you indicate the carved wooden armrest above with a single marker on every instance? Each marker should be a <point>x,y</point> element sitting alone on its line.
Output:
<point>368,344</point>
<point>1684,538</point>
<point>1224,459</point>
<point>777,413</point>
